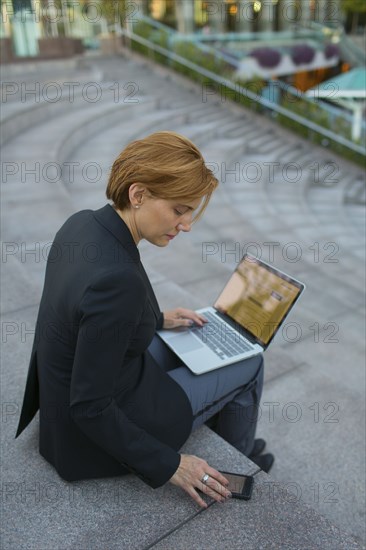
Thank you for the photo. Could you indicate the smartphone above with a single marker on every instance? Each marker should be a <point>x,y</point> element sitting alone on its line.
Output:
<point>240,486</point>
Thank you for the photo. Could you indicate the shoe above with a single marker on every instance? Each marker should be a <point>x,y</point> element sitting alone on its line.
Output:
<point>265,462</point>
<point>258,447</point>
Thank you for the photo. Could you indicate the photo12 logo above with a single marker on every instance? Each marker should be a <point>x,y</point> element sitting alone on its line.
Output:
<point>291,252</point>
<point>72,11</point>
<point>69,91</point>
<point>51,492</point>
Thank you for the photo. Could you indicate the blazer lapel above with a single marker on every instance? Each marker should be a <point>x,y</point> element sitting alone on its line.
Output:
<point>109,218</point>
<point>151,295</point>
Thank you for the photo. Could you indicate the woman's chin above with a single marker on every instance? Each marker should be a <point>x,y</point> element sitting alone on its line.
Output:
<point>160,241</point>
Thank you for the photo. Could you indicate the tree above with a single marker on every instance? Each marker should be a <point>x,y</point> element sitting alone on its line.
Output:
<point>354,8</point>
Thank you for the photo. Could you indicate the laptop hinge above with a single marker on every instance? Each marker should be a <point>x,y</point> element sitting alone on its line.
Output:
<point>236,327</point>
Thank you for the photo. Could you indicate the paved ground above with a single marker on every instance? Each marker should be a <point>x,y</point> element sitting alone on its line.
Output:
<point>279,197</point>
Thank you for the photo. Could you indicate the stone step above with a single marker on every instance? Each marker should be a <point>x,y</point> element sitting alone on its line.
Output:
<point>304,372</point>
<point>19,118</point>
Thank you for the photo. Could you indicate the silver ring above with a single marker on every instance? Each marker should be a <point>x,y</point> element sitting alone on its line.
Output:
<point>205,478</point>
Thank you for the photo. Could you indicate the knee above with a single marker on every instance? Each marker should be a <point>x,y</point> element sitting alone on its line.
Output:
<point>260,368</point>
<point>260,359</point>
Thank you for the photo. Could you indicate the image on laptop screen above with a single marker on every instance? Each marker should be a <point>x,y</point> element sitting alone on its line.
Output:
<point>258,297</point>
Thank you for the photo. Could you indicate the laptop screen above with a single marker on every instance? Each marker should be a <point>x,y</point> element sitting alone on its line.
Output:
<point>258,297</point>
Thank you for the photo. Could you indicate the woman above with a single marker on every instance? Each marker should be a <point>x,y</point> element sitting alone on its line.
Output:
<point>112,398</point>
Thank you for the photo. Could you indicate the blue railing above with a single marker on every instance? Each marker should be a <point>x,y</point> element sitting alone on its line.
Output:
<point>333,114</point>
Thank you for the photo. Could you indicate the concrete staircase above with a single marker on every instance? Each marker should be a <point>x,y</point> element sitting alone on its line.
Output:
<point>280,197</point>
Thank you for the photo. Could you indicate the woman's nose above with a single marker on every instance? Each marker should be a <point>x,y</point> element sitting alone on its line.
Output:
<point>184,227</point>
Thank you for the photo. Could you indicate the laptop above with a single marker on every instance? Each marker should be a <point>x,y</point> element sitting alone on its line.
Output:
<point>242,322</point>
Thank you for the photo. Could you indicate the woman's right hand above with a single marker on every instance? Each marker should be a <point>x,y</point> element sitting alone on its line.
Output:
<point>189,476</point>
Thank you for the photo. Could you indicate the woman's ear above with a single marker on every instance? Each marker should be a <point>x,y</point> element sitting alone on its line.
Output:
<point>136,193</point>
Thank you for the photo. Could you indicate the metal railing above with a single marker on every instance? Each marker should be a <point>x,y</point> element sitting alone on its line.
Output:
<point>175,37</point>
<point>331,112</point>
<point>230,85</point>
<point>350,50</point>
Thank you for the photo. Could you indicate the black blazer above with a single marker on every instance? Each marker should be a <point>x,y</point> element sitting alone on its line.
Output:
<point>106,407</point>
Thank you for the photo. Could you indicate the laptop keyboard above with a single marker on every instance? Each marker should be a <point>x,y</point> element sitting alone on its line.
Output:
<point>220,337</point>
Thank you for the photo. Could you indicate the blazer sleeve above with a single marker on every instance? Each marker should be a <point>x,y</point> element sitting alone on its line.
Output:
<point>160,322</point>
<point>110,312</point>
<point>31,394</point>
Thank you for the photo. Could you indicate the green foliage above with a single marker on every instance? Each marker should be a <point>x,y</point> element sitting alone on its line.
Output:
<point>353,6</point>
<point>208,60</point>
<point>143,29</point>
<point>314,112</point>
<point>159,37</point>
<point>255,85</point>
<point>112,9</point>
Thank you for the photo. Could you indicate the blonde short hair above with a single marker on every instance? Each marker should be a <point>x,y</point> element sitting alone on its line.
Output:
<point>168,164</point>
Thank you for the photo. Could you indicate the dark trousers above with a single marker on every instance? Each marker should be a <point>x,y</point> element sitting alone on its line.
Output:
<point>226,398</point>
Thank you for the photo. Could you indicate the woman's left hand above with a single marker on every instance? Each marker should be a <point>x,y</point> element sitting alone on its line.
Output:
<point>181,317</point>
